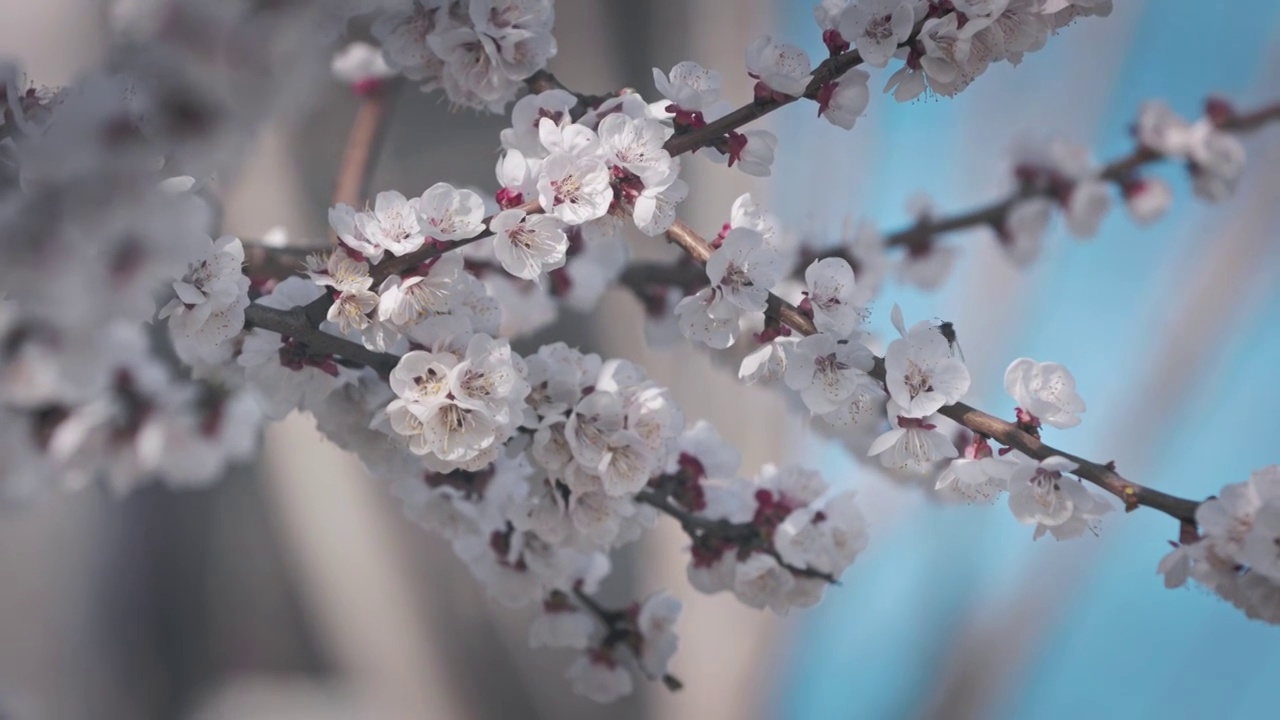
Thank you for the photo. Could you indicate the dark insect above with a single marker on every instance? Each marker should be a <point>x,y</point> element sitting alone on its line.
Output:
<point>948,332</point>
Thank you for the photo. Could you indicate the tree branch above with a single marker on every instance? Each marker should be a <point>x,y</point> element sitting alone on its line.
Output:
<point>620,630</point>
<point>1132,494</point>
<point>294,323</point>
<point>543,81</point>
<point>1116,171</point>
<point>745,535</point>
<point>827,71</point>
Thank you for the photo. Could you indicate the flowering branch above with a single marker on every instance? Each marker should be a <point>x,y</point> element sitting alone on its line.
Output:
<point>620,630</point>
<point>538,466</point>
<point>1104,476</point>
<point>746,537</point>
<point>1132,494</point>
<point>1118,171</point>
<point>828,71</point>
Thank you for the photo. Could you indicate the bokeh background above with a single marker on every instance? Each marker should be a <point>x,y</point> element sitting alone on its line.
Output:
<point>295,590</point>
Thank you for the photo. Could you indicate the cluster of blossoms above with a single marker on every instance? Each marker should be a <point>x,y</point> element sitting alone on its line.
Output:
<point>397,341</point>
<point>775,541</point>
<point>943,44</point>
<point>1236,553</point>
<point>478,51</point>
<point>1214,158</point>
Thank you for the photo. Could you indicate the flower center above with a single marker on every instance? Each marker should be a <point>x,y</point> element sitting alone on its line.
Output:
<point>917,380</point>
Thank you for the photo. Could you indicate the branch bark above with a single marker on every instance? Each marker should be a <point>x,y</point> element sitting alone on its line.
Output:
<point>294,323</point>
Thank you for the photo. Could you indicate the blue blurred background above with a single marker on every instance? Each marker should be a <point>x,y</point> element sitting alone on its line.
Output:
<point>955,612</point>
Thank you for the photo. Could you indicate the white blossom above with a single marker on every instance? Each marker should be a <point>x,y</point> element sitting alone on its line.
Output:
<point>781,67</point>
<point>561,628</point>
<point>977,475</point>
<point>760,582</point>
<point>744,268</point>
<point>689,86</point>
<point>448,214</point>
<point>599,676</point>
<point>1022,234</point>
<point>526,119</point>
<point>832,294</point>
<point>360,63</point>
<point>922,372</point>
<point>575,190</point>
<point>1044,495</point>
<point>209,306</point>
<point>1235,554</point>
<point>1046,391</point>
<point>656,621</point>
<point>709,317</point>
<point>403,35</point>
<point>405,301</point>
<point>756,155</point>
<point>348,227</point>
<point>767,363</point>
<point>528,245</point>
<point>827,370</point>
<point>1217,161</point>
<point>636,145</point>
<point>1162,130</point>
<point>913,444</point>
<point>844,100</point>
<point>283,373</point>
<point>877,27</point>
<point>1088,204</point>
<point>1148,199</point>
<point>825,537</point>
<point>392,224</point>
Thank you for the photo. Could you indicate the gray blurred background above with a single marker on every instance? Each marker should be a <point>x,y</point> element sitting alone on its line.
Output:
<point>295,589</point>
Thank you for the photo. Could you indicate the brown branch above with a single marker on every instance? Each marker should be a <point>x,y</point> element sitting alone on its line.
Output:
<point>363,142</point>
<point>294,323</point>
<point>393,265</point>
<point>620,630</point>
<point>1117,171</point>
<point>266,262</point>
<point>543,81</point>
<point>745,535</point>
<point>827,71</point>
<point>1132,494</point>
